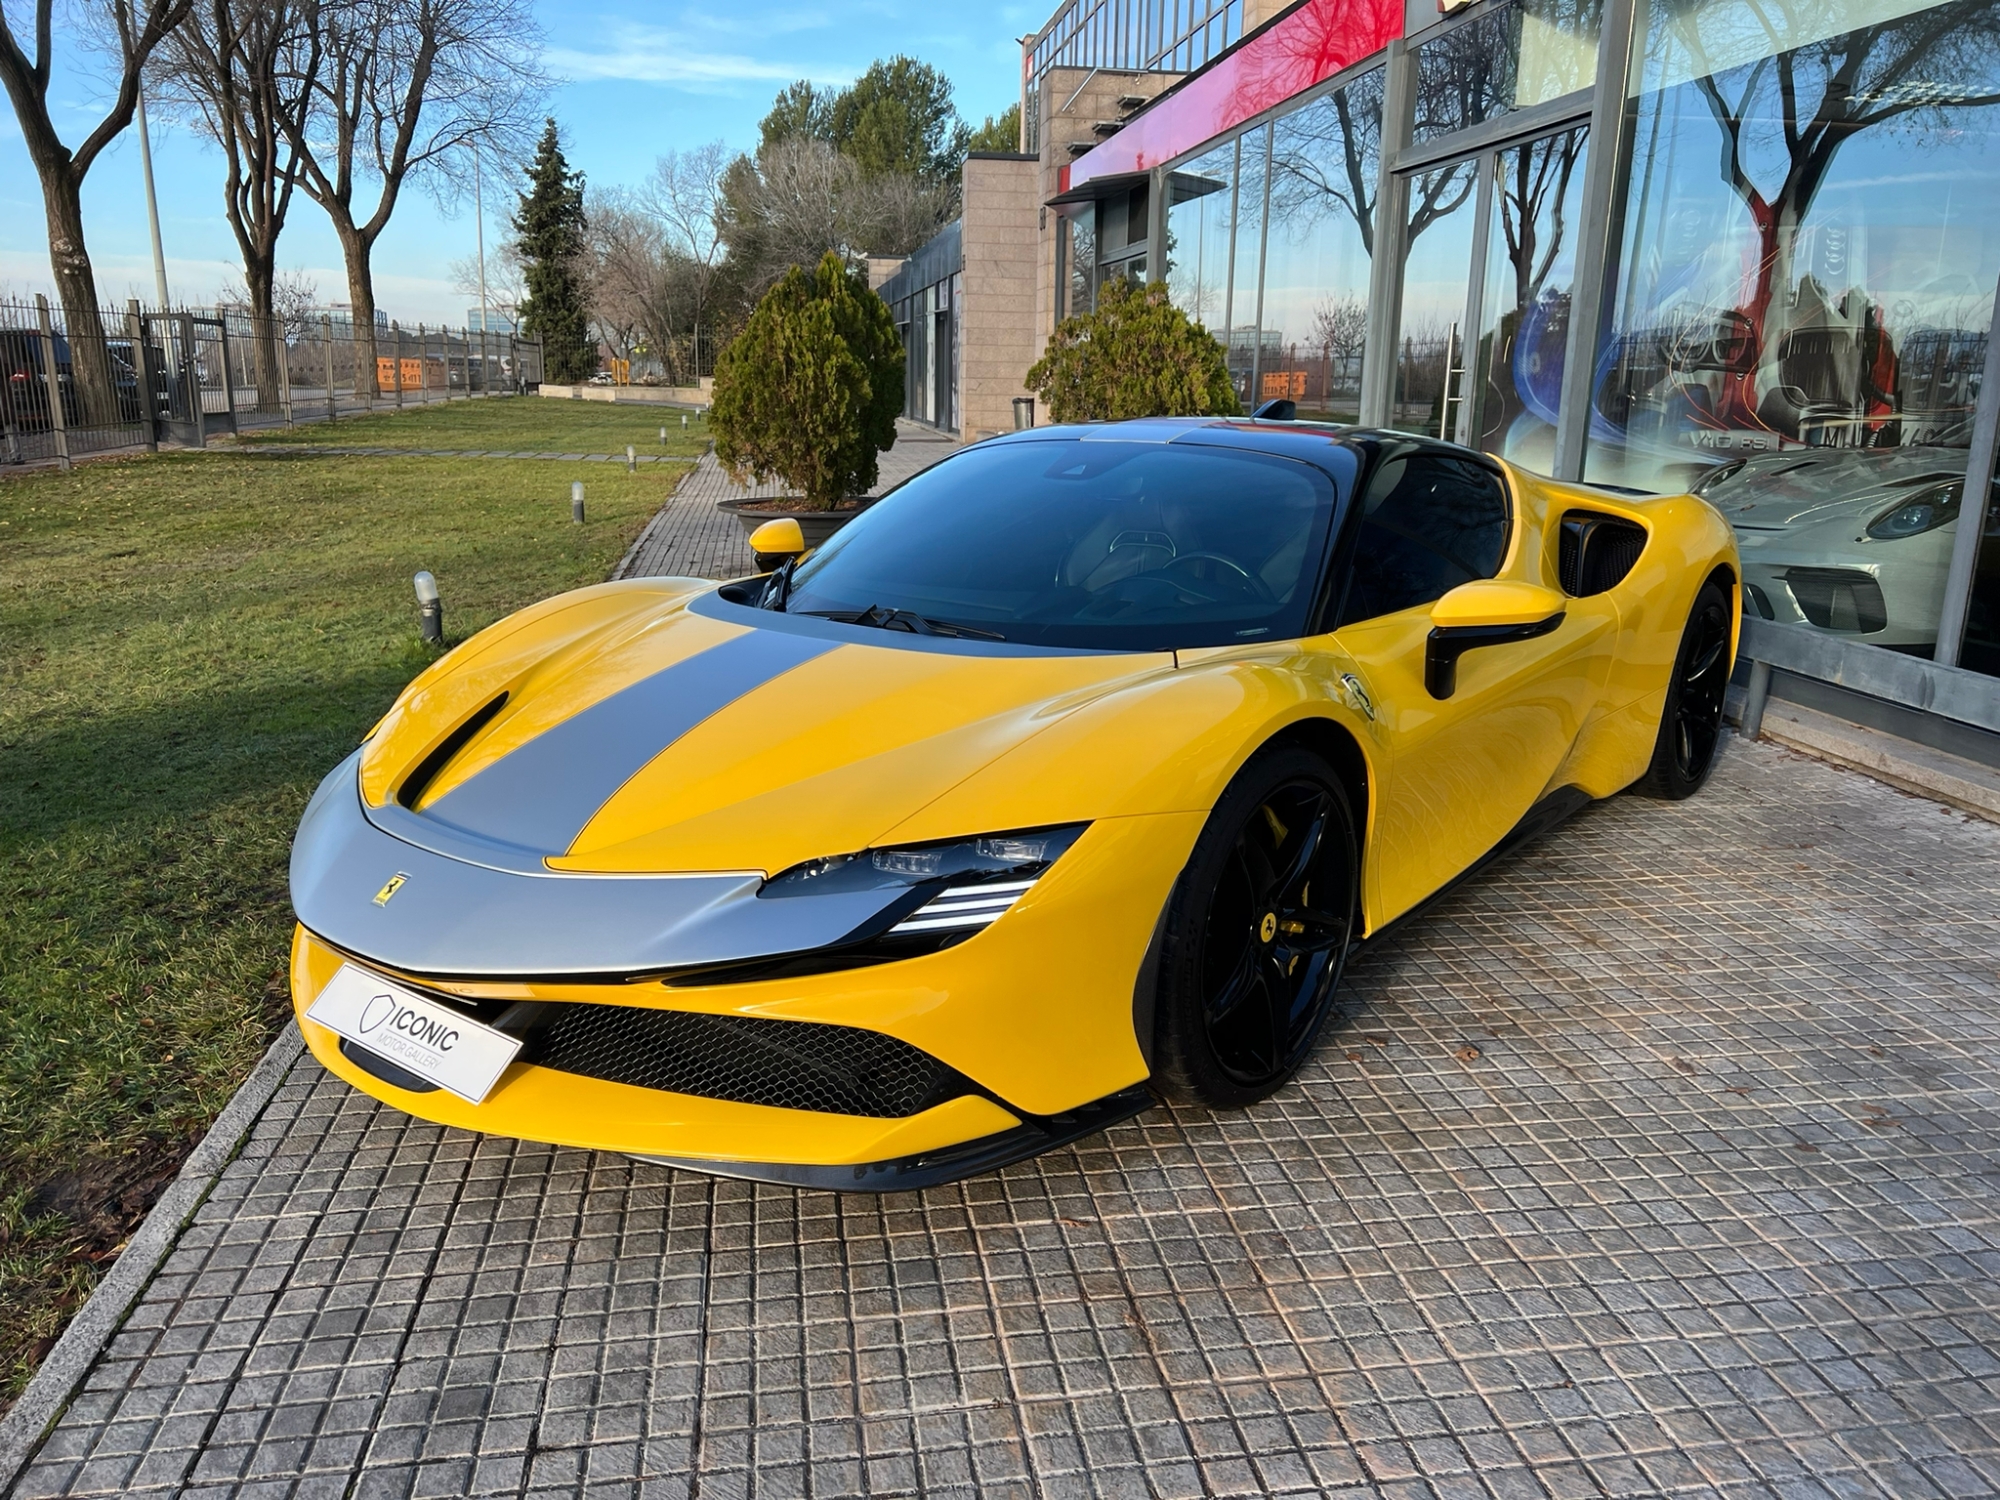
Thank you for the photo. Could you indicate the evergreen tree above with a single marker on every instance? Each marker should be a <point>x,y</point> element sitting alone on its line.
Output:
<point>808,392</point>
<point>1001,132</point>
<point>1137,355</point>
<point>549,227</point>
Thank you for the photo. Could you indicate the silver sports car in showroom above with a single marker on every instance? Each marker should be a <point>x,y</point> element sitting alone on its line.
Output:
<point>1851,540</point>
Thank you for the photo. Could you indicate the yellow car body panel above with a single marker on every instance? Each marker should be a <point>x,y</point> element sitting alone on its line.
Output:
<point>858,745</point>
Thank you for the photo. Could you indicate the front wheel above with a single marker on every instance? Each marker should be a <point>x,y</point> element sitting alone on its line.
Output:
<point>1691,723</point>
<point>1256,934</point>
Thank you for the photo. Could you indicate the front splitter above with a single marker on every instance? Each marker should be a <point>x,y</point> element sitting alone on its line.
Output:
<point>932,1168</point>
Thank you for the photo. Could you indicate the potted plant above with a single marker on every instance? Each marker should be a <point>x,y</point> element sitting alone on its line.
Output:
<point>1137,355</point>
<point>808,394</point>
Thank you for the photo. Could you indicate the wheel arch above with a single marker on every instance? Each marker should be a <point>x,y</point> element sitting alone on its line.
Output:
<point>1337,745</point>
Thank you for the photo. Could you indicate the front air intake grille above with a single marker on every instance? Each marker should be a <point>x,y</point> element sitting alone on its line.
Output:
<point>837,1070</point>
<point>1839,598</point>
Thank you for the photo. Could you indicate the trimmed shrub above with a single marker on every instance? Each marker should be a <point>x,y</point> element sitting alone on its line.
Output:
<point>1137,355</point>
<point>808,393</point>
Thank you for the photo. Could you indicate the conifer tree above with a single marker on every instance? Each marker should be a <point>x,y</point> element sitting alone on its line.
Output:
<point>550,227</point>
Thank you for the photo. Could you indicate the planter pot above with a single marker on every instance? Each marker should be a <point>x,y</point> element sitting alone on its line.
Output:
<point>816,525</point>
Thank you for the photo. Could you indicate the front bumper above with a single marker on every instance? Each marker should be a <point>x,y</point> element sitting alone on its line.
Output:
<point>1035,1011</point>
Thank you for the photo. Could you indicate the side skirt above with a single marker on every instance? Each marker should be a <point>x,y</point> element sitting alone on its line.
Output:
<point>1555,809</point>
<point>931,1168</point>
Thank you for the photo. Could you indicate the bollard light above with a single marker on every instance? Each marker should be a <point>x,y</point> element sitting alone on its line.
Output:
<point>430,609</point>
<point>684,421</point>
<point>663,437</point>
<point>631,459</point>
<point>576,502</point>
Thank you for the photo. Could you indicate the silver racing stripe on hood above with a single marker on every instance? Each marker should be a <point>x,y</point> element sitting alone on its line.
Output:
<point>539,797</point>
<point>416,909</point>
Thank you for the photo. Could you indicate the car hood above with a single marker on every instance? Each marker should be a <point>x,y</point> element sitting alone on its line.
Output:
<point>1793,490</point>
<point>654,729</point>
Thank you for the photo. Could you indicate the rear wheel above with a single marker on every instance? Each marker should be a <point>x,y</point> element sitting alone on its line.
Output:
<point>1691,725</point>
<point>1257,933</point>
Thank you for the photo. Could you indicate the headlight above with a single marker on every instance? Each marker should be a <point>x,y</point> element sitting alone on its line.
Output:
<point>1920,513</point>
<point>955,887</point>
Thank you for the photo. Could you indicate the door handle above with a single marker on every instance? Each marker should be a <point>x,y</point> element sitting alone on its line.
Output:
<point>1447,643</point>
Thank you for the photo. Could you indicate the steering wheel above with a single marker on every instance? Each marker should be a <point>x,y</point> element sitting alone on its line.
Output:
<point>1250,581</point>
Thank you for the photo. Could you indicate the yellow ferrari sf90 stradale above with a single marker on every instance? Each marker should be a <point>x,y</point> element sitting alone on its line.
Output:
<point>1068,773</point>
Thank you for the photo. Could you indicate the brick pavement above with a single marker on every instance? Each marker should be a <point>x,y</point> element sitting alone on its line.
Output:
<point>690,538</point>
<point>1658,1160</point>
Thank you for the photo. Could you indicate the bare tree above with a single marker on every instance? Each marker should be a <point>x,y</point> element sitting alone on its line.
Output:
<point>61,170</point>
<point>407,89</point>
<point>627,272</point>
<point>506,284</point>
<point>793,203</point>
<point>684,197</point>
<point>242,70</point>
<point>799,198</point>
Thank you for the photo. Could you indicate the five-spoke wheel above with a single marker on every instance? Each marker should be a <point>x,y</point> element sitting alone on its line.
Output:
<point>1691,723</point>
<point>1257,933</point>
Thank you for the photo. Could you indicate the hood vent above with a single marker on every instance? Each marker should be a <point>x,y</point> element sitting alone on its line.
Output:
<point>431,765</point>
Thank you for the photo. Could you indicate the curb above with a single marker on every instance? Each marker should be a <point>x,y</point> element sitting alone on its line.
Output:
<point>34,1415</point>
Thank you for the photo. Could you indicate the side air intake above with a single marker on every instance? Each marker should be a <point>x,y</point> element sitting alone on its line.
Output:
<point>1596,552</point>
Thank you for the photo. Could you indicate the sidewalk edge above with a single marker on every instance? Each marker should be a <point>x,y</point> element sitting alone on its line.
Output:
<point>55,1384</point>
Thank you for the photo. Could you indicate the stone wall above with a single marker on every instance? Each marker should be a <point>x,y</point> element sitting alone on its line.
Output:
<point>997,331</point>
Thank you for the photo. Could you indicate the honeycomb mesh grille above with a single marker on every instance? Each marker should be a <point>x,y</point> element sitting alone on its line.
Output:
<point>839,1070</point>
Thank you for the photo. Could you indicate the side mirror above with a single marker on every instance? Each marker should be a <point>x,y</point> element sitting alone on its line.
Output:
<point>1486,612</point>
<point>776,542</point>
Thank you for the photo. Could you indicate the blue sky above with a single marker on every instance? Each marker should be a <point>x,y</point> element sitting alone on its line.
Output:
<point>639,79</point>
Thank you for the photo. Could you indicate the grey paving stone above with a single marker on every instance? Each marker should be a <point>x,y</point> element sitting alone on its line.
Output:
<point>1591,1260</point>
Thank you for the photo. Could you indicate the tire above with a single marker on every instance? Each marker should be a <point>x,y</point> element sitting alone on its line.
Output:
<point>1256,934</point>
<point>1691,721</point>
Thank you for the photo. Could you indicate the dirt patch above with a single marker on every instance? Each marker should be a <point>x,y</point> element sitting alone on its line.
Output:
<point>65,1235</point>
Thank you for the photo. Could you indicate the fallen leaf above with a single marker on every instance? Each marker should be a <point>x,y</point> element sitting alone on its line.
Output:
<point>1804,1146</point>
<point>1468,1053</point>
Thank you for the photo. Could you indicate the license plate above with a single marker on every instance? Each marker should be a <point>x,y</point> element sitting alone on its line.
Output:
<point>438,1044</point>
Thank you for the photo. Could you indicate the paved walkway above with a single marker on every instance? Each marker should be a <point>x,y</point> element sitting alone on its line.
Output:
<point>1659,1160</point>
<point>690,538</point>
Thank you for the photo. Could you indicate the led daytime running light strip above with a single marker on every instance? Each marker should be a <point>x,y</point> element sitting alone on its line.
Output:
<point>965,906</point>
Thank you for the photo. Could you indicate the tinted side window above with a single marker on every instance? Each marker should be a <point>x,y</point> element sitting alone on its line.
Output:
<point>1429,523</point>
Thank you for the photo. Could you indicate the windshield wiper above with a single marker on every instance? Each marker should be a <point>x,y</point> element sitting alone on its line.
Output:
<point>880,618</point>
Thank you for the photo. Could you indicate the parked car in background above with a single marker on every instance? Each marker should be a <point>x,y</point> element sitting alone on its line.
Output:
<point>1850,540</point>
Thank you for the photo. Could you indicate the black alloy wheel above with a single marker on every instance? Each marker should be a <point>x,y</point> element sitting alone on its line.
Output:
<point>1256,934</point>
<point>1691,725</point>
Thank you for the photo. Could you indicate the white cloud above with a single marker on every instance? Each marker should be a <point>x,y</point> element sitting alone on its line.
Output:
<point>648,54</point>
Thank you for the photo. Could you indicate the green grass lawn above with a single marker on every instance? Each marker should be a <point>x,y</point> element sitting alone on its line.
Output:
<point>510,424</point>
<point>187,645</point>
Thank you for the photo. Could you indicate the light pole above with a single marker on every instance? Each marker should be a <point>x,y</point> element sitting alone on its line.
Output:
<point>152,204</point>
<point>479,233</point>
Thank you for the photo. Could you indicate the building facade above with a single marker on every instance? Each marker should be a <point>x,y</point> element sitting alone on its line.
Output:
<point>1748,247</point>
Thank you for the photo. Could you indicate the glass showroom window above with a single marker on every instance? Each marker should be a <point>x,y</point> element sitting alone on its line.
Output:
<point>1508,59</point>
<point>1079,245</point>
<point>1812,236</point>
<point>1246,256</point>
<point>1197,247</point>
<point>1524,309</point>
<point>1316,252</point>
<point>1430,341</point>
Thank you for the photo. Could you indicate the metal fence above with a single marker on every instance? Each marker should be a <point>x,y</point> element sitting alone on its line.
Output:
<point>104,379</point>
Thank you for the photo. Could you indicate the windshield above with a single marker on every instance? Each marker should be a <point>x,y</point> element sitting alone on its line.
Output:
<point>1097,544</point>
